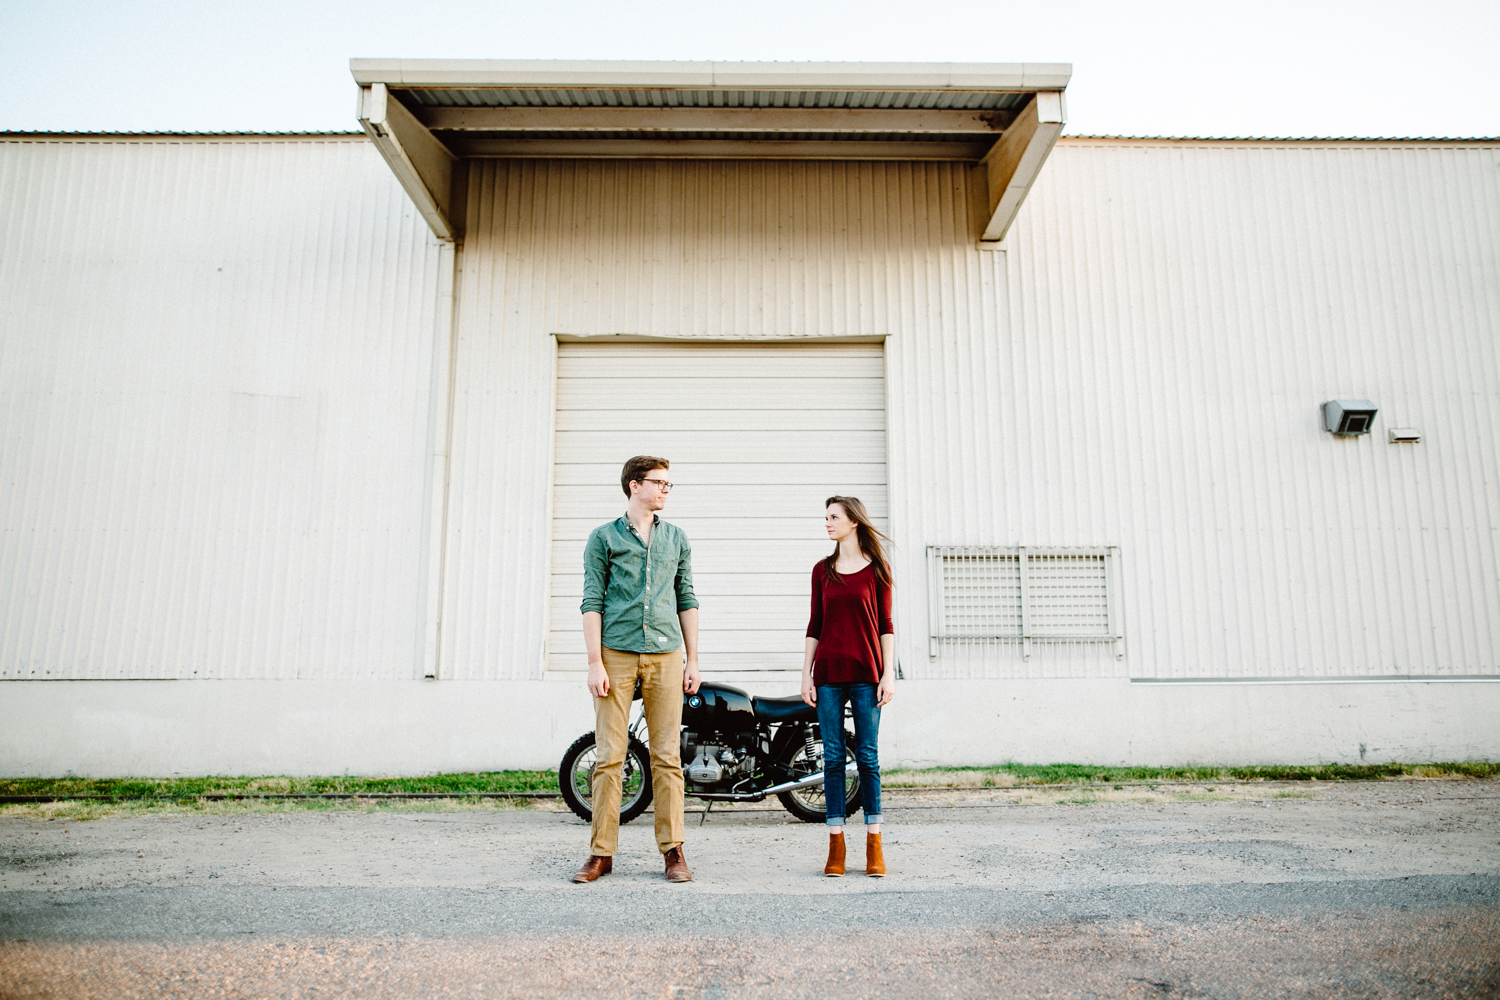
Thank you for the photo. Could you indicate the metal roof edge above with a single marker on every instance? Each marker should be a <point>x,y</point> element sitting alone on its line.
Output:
<point>1091,137</point>
<point>562,73</point>
<point>1279,138</point>
<point>80,134</point>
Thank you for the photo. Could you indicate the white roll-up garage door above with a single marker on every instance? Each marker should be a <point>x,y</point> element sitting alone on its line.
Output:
<point>758,437</point>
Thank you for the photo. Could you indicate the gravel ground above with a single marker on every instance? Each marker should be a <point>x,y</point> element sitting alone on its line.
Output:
<point>1372,889</point>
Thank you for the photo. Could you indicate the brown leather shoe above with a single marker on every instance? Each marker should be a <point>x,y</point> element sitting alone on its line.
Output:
<point>874,856</point>
<point>677,869</point>
<point>835,866</point>
<point>595,866</point>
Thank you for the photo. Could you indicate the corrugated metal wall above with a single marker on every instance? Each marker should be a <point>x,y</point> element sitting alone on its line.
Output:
<point>215,371</point>
<point>226,473</point>
<point>1143,368</point>
<point>1177,312</point>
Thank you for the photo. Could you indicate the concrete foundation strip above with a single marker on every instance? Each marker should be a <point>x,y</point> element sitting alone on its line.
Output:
<point>310,796</point>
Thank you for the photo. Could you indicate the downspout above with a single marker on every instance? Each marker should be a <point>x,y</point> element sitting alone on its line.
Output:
<point>437,183</point>
<point>439,464</point>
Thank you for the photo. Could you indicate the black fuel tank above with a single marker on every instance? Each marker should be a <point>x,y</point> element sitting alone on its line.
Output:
<point>717,707</point>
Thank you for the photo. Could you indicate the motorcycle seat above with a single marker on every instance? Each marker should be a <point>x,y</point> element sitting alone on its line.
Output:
<point>792,709</point>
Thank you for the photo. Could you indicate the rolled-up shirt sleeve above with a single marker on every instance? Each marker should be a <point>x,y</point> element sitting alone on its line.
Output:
<point>815,617</point>
<point>595,573</point>
<point>686,599</point>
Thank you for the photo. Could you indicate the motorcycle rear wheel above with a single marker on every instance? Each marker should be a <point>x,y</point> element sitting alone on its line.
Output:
<point>575,779</point>
<point>807,804</point>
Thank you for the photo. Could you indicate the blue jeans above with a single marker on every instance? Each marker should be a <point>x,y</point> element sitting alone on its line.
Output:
<point>861,699</point>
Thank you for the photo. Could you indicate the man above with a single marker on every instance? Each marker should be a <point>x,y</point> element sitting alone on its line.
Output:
<point>639,618</point>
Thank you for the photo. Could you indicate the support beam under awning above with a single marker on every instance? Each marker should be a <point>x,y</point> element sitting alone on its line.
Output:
<point>636,119</point>
<point>667,146</point>
<point>1014,162</point>
<point>431,175</point>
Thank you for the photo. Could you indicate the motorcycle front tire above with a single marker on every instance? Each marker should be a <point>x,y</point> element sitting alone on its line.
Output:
<point>577,763</point>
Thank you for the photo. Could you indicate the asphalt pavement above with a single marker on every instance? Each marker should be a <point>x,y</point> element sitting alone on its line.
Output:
<point>1387,889</point>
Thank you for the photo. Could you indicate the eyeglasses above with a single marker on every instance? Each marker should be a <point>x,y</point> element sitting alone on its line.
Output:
<point>661,484</point>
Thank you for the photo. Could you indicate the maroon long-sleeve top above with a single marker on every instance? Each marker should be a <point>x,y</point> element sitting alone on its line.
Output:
<point>849,616</point>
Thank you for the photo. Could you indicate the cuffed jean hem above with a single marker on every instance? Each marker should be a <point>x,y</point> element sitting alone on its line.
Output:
<point>834,821</point>
<point>872,820</point>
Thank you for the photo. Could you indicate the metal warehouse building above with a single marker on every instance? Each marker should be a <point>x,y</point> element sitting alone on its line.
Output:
<point>302,434</point>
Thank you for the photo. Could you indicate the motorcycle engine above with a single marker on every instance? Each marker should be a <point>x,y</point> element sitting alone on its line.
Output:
<point>712,764</point>
<point>705,768</point>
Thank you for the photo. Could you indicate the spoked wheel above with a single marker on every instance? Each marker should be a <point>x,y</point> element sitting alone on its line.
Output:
<point>575,779</point>
<point>807,804</point>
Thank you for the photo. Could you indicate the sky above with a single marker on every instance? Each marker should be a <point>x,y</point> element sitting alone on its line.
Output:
<point>1148,67</point>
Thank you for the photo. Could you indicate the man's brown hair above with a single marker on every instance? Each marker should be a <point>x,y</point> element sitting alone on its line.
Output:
<point>637,468</point>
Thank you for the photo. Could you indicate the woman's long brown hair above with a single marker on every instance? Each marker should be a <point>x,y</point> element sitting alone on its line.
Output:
<point>869,540</point>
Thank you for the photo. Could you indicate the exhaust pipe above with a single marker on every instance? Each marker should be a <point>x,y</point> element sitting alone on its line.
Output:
<point>807,782</point>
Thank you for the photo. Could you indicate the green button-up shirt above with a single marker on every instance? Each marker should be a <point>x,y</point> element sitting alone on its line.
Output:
<point>638,589</point>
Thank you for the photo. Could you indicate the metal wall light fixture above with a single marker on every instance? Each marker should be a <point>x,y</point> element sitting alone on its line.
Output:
<point>1349,417</point>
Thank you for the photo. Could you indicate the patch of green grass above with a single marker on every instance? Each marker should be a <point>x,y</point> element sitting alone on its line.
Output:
<point>487,781</point>
<point>1002,776</point>
<point>1085,774</point>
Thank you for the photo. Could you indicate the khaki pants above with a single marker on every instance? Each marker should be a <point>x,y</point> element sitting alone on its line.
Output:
<point>661,689</point>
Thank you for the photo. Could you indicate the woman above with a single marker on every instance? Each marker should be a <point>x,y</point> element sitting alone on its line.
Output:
<point>849,659</point>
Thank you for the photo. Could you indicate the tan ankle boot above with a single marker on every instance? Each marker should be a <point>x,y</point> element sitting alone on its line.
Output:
<point>874,856</point>
<point>835,866</point>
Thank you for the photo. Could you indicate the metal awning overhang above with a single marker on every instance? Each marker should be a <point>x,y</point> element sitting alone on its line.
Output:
<point>429,117</point>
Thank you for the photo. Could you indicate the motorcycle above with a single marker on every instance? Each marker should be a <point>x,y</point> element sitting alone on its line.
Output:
<point>735,748</point>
